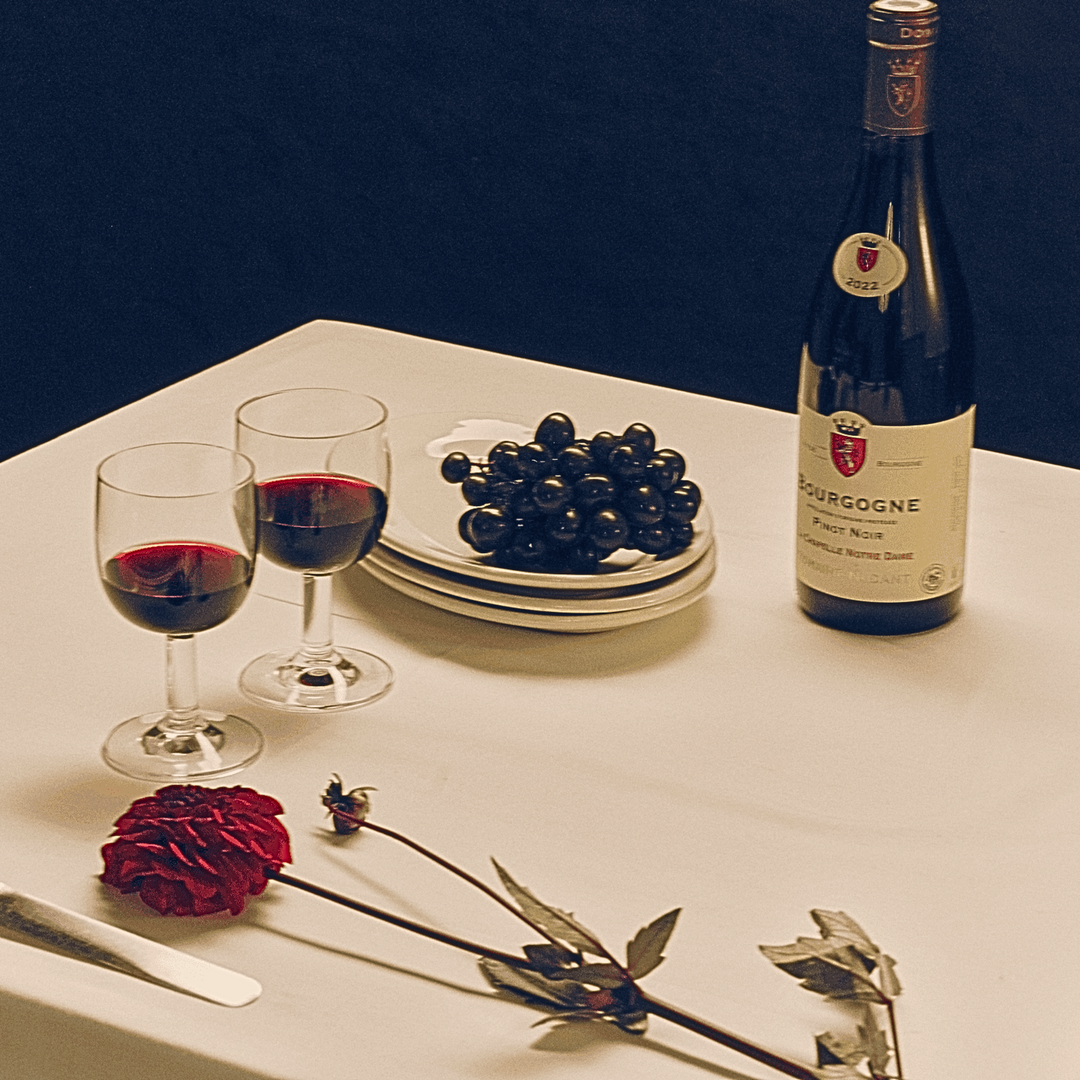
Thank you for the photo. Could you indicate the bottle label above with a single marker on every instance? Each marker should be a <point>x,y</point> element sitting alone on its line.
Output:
<point>866,264</point>
<point>882,510</point>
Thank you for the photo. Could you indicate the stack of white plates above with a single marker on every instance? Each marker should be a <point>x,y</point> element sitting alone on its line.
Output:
<point>421,554</point>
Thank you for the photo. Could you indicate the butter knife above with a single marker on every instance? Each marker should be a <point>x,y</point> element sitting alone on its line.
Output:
<point>99,943</point>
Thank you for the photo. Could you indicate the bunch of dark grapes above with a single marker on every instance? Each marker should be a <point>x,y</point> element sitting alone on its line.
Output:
<point>560,504</point>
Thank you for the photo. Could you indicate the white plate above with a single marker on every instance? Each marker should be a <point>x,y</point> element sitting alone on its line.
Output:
<point>534,620</point>
<point>608,601</point>
<point>424,508</point>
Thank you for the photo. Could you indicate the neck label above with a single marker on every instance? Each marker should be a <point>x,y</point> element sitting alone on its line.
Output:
<point>899,69</point>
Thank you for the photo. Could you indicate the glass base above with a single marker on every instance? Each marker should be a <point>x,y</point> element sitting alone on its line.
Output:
<point>144,748</point>
<point>348,679</point>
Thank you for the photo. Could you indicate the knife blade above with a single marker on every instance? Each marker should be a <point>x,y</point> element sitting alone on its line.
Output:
<point>99,943</point>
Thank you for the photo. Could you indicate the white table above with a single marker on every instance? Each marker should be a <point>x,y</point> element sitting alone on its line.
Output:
<point>734,758</point>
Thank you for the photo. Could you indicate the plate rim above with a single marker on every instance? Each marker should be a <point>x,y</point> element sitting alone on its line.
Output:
<point>533,620</point>
<point>667,588</point>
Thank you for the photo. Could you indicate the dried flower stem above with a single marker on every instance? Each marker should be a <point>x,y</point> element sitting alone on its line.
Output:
<point>397,920</point>
<point>366,823</point>
<point>648,1004</point>
<point>732,1042</point>
<point>447,865</point>
<point>895,1040</point>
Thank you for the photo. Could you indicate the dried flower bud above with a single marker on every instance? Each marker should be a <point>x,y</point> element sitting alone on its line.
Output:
<point>349,809</point>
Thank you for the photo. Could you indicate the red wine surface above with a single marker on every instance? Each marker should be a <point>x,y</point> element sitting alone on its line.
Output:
<point>319,522</point>
<point>179,588</point>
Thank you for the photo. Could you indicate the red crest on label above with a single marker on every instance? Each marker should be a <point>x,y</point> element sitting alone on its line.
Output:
<point>848,453</point>
<point>865,257</point>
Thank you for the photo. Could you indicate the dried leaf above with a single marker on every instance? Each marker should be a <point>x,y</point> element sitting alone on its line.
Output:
<point>569,999</point>
<point>533,986</point>
<point>560,924</point>
<point>824,969</point>
<point>890,984</point>
<point>645,952</point>
<point>550,957</point>
<point>874,1043</point>
<point>838,926</point>
<point>633,1023</point>
<point>839,1049</point>
<point>606,976</point>
<point>838,1072</point>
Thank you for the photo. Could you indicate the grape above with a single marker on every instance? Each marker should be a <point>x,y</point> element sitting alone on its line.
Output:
<point>608,529</point>
<point>683,502</point>
<point>640,436</point>
<point>662,473</point>
<point>474,488</point>
<point>534,461</point>
<point>676,459</point>
<point>681,535</point>
<point>463,524</point>
<point>594,491</point>
<point>456,467</point>
<point>552,494</point>
<point>523,505</point>
<point>563,505</point>
<point>653,539</point>
<point>626,463</point>
<point>503,459</point>
<point>528,549</point>
<point>575,461</point>
<point>490,528</point>
<point>501,492</point>
<point>602,443</point>
<point>643,505</point>
<point>565,526</point>
<point>555,431</point>
<point>582,558</point>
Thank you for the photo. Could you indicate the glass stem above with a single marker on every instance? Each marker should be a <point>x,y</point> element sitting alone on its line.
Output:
<point>181,682</point>
<point>318,644</point>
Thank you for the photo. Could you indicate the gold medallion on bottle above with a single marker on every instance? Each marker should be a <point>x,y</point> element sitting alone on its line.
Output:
<point>868,264</point>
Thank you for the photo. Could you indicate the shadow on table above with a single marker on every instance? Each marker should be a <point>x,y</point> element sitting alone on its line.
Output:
<point>579,1037</point>
<point>566,1037</point>
<point>510,649</point>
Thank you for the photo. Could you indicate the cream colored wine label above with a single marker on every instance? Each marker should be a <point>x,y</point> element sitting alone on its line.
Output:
<point>882,511</point>
<point>866,264</point>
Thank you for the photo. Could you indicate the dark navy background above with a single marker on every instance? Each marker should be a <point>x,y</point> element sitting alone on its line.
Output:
<point>626,186</point>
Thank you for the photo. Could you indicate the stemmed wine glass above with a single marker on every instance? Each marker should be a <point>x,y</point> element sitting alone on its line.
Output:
<point>176,533</point>
<point>322,469</point>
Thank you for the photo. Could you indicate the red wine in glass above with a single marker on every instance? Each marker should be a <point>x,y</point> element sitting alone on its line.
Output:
<point>322,475</point>
<point>176,531</point>
<point>177,588</point>
<point>319,522</point>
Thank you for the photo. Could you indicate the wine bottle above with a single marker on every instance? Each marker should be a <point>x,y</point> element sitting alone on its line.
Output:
<point>885,389</point>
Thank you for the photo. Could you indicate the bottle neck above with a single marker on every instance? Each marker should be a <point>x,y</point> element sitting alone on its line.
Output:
<point>899,71</point>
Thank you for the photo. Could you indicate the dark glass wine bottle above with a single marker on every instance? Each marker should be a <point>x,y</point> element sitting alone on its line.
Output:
<point>885,389</point>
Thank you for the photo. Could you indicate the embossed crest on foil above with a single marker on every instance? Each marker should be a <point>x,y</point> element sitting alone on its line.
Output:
<point>903,87</point>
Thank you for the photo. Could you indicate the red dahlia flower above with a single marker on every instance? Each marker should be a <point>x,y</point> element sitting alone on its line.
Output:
<point>190,850</point>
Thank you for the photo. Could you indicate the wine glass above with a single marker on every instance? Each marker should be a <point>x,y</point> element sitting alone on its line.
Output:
<point>176,529</point>
<point>322,469</point>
